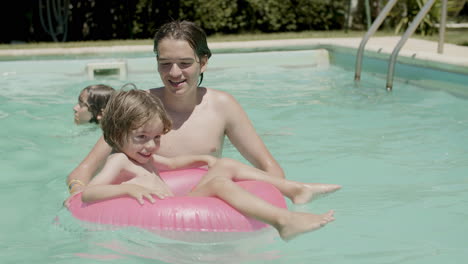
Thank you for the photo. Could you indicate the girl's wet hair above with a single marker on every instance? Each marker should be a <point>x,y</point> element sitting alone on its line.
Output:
<point>98,96</point>
<point>128,110</point>
<point>184,30</point>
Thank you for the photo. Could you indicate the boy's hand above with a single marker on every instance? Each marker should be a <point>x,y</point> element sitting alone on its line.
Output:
<point>210,161</point>
<point>139,192</point>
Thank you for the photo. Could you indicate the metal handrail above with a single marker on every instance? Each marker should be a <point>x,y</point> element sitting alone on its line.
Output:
<point>378,21</point>
<point>412,27</point>
<point>442,24</point>
<point>414,24</point>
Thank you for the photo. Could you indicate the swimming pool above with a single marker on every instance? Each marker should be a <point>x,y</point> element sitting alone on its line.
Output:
<point>402,158</point>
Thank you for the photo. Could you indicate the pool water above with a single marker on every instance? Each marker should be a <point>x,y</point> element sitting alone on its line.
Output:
<point>401,157</point>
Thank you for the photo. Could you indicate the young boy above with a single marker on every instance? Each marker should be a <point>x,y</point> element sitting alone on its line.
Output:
<point>133,124</point>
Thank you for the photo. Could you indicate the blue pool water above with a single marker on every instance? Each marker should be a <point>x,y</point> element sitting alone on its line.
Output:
<point>402,158</point>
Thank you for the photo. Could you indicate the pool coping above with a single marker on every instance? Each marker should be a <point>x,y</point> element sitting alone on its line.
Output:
<point>415,51</point>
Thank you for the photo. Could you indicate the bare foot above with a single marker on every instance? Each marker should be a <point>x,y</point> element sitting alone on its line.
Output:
<point>300,223</point>
<point>311,191</point>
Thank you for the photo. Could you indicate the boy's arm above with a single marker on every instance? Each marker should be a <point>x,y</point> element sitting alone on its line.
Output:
<point>101,186</point>
<point>183,161</point>
<point>102,192</point>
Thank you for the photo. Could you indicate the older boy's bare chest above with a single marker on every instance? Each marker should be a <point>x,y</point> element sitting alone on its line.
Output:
<point>200,133</point>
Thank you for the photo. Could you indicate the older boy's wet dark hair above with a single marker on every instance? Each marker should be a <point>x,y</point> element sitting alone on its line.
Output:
<point>129,110</point>
<point>184,30</point>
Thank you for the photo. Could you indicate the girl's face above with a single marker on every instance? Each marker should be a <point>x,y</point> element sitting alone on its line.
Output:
<point>143,142</point>
<point>82,113</point>
<point>179,66</point>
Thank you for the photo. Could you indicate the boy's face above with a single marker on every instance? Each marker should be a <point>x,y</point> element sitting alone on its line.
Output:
<point>178,66</point>
<point>144,141</point>
<point>81,109</point>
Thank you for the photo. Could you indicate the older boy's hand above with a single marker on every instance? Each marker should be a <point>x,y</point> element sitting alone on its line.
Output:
<point>74,192</point>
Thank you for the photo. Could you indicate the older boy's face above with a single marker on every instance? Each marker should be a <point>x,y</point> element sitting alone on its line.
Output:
<point>144,141</point>
<point>178,66</point>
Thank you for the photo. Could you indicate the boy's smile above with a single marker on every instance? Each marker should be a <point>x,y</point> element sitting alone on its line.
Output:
<point>179,66</point>
<point>144,141</point>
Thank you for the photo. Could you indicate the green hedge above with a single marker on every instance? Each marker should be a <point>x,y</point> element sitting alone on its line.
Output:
<point>138,19</point>
<point>264,15</point>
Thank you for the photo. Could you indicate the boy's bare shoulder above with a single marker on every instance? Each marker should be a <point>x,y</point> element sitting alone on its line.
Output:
<point>220,97</point>
<point>156,91</point>
<point>117,157</point>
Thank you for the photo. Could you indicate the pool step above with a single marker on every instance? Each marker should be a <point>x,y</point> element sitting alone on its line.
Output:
<point>107,68</point>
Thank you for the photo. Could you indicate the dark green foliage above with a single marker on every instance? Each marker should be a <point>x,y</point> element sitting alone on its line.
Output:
<point>227,16</point>
<point>404,12</point>
<point>214,15</point>
<point>320,14</point>
<point>136,19</point>
<point>272,15</point>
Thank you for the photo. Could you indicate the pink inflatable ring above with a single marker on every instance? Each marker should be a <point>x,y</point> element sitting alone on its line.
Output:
<point>178,213</point>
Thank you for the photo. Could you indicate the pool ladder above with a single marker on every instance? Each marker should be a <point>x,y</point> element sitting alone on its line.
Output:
<point>414,24</point>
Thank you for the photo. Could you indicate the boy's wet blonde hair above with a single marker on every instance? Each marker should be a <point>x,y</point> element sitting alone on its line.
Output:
<point>129,110</point>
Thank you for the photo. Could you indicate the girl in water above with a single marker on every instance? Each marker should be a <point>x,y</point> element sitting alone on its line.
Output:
<point>91,102</point>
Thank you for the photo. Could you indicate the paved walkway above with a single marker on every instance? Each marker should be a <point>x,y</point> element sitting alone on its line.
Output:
<point>413,48</point>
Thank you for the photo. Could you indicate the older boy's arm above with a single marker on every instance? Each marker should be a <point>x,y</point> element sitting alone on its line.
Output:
<point>243,136</point>
<point>186,161</point>
<point>82,174</point>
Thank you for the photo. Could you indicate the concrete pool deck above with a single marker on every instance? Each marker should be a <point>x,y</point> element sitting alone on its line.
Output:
<point>413,49</point>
